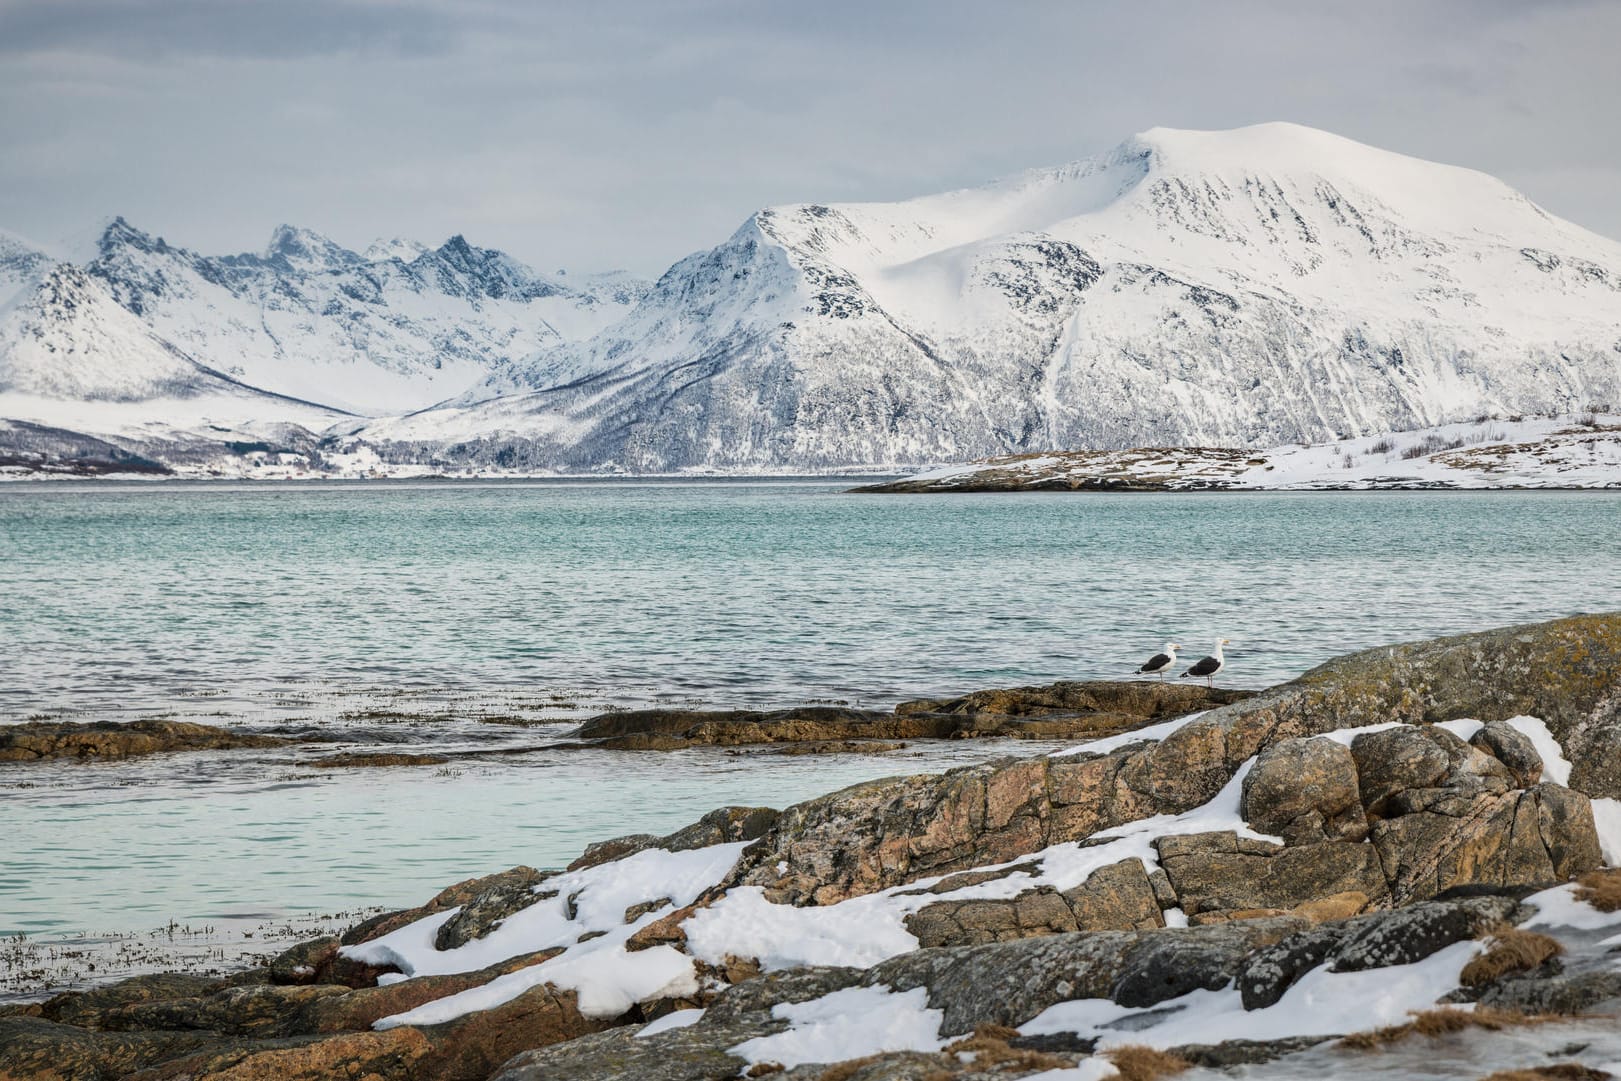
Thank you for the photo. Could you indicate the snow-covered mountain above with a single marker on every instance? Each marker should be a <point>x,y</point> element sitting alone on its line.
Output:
<point>21,266</point>
<point>1244,288</point>
<point>310,319</point>
<point>1252,287</point>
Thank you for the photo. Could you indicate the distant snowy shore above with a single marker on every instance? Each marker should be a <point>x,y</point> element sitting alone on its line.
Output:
<point>1564,451</point>
<point>1557,452</point>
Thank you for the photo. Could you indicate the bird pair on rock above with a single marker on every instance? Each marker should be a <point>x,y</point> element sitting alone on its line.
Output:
<point>1206,667</point>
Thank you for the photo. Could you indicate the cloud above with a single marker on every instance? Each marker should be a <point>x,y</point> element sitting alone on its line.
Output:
<point>631,132</point>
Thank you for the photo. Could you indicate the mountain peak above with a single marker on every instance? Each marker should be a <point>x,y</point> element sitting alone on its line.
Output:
<point>401,248</point>
<point>119,233</point>
<point>305,249</point>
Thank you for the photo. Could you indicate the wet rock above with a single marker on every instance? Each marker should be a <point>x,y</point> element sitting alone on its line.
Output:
<point>1230,1053</point>
<point>1215,872</point>
<point>1060,711</point>
<point>1305,790</point>
<point>1513,748</point>
<point>37,740</point>
<point>375,760</point>
<point>498,897</point>
<point>1142,701</point>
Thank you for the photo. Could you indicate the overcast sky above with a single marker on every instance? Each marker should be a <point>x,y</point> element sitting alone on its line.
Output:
<point>600,134</point>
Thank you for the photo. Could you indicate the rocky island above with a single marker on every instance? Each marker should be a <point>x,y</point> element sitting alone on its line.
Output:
<point>1551,452</point>
<point>1408,847</point>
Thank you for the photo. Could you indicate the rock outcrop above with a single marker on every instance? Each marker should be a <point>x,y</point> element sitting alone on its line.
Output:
<point>33,741</point>
<point>1071,710</point>
<point>1289,857</point>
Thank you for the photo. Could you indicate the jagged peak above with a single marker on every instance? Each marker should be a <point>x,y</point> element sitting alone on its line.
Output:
<point>308,249</point>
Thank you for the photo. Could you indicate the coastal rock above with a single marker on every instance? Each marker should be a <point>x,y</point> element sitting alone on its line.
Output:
<point>1538,836</point>
<point>1305,790</point>
<point>1222,872</point>
<point>1071,710</point>
<point>395,1055</point>
<point>1572,993</point>
<point>86,1008</point>
<point>306,962</point>
<point>36,1049</point>
<point>375,760</point>
<point>499,896</point>
<point>33,741</point>
<point>1133,700</point>
<point>1513,748</point>
<point>1564,671</point>
<point>1441,816</point>
<point>1375,940</point>
<point>1117,897</point>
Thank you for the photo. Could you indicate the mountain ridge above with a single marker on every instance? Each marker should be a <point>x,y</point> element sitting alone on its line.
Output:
<point>1252,287</point>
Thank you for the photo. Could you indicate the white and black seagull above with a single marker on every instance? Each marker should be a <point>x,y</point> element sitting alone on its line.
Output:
<point>1209,666</point>
<point>1159,662</point>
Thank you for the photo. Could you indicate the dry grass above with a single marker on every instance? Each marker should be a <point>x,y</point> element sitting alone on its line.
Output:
<point>1442,1021</point>
<point>1601,889</point>
<point>1138,1063</point>
<point>1509,950</point>
<point>989,1043</point>
<point>1559,1071</point>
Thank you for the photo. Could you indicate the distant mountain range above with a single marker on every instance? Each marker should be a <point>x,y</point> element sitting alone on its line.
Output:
<point>1254,287</point>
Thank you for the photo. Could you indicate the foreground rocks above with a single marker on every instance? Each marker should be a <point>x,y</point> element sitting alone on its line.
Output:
<point>1287,855</point>
<point>33,741</point>
<point>1074,710</point>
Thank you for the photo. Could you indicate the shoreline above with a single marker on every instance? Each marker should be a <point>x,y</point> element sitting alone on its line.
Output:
<point>1132,876</point>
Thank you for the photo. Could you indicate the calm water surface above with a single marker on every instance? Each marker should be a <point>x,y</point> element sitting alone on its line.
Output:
<point>438,602</point>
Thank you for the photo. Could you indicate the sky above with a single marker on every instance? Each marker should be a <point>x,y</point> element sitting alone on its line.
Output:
<point>627,134</point>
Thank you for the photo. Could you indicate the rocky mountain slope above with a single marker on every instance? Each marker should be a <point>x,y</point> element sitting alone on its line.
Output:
<point>1407,843</point>
<point>1246,288</point>
<point>1242,288</point>
<point>396,329</point>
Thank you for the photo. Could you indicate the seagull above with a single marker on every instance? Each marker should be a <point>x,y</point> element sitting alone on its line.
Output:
<point>1209,666</point>
<point>1159,662</point>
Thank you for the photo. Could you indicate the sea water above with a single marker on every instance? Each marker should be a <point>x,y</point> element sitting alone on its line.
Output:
<point>422,610</point>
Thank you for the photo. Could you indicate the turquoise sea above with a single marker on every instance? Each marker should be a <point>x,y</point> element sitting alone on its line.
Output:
<point>413,612</point>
